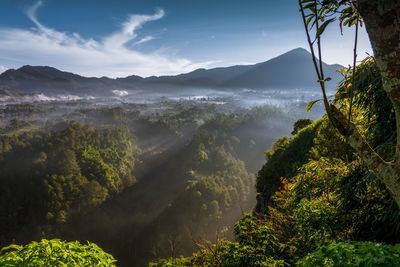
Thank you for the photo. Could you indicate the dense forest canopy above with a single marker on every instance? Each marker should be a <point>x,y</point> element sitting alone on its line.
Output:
<point>127,179</point>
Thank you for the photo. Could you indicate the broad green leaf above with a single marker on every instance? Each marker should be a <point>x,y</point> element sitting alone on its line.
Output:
<point>311,104</point>
<point>322,28</point>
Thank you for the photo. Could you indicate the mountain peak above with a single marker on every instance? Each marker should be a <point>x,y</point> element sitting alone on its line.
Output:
<point>299,50</point>
<point>37,68</point>
<point>295,53</point>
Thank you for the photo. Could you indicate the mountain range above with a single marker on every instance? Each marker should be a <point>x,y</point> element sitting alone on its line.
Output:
<point>293,69</point>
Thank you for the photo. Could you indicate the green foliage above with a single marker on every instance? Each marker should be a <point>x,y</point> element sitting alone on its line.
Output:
<point>66,170</point>
<point>314,223</point>
<point>227,253</point>
<point>311,104</point>
<point>300,124</point>
<point>172,262</point>
<point>353,254</point>
<point>256,246</point>
<point>74,179</point>
<point>377,115</point>
<point>330,196</point>
<point>211,178</point>
<point>251,231</point>
<point>215,189</point>
<point>94,168</point>
<point>55,253</point>
<point>286,157</point>
<point>329,143</point>
<point>328,11</point>
<point>365,200</point>
<point>305,215</point>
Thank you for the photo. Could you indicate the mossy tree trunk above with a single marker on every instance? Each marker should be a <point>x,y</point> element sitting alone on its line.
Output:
<point>382,20</point>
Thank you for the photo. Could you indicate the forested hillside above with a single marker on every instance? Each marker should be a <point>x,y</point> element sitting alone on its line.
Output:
<point>66,169</point>
<point>132,183</point>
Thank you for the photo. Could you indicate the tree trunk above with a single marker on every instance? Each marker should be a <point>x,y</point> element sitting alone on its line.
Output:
<point>382,20</point>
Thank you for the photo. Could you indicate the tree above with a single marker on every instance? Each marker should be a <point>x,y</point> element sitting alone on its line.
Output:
<point>300,124</point>
<point>382,21</point>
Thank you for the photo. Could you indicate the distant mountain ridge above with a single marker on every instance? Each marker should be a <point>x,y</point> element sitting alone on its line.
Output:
<point>293,69</point>
<point>44,79</point>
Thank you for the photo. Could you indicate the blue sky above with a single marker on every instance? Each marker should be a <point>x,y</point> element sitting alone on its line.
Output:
<point>117,38</point>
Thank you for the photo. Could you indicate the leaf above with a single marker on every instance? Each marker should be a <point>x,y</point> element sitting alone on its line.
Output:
<point>310,6</point>
<point>311,104</point>
<point>309,19</point>
<point>322,28</point>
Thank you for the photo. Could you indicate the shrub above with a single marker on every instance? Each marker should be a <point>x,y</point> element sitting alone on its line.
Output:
<point>354,254</point>
<point>55,253</point>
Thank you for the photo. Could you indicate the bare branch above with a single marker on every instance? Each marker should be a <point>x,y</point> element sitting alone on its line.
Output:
<point>310,43</point>
<point>319,69</point>
<point>351,93</point>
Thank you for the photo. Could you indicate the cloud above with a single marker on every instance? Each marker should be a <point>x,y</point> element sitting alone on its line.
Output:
<point>127,33</point>
<point>3,69</point>
<point>112,56</point>
<point>144,40</point>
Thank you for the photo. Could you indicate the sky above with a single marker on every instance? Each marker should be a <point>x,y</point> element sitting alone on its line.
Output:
<point>118,38</point>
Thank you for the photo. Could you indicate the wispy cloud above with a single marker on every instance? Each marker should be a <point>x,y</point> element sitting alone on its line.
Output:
<point>3,69</point>
<point>144,40</point>
<point>112,56</point>
<point>127,33</point>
